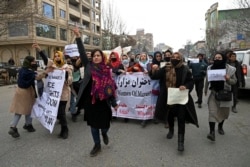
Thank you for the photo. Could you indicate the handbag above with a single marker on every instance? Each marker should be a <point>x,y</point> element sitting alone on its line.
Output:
<point>223,95</point>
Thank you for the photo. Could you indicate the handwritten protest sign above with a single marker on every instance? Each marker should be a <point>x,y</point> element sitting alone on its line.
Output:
<point>177,96</point>
<point>216,75</point>
<point>138,87</point>
<point>193,60</point>
<point>46,107</point>
<point>71,50</point>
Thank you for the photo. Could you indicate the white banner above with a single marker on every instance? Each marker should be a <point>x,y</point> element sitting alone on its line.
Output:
<point>71,50</point>
<point>46,107</point>
<point>134,95</point>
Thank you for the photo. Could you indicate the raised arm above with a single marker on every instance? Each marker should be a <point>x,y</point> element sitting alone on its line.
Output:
<point>41,53</point>
<point>81,49</point>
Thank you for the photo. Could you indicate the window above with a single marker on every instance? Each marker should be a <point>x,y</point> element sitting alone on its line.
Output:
<point>96,41</point>
<point>44,30</point>
<point>86,39</point>
<point>63,34</point>
<point>19,28</point>
<point>93,27</point>
<point>48,10</point>
<point>62,13</point>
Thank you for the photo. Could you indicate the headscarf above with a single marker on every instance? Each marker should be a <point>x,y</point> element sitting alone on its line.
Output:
<point>144,64</point>
<point>61,58</point>
<point>116,63</point>
<point>219,85</point>
<point>155,61</point>
<point>27,61</point>
<point>103,85</point>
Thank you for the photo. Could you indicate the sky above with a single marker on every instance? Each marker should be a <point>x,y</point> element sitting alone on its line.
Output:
<point>173,22</point>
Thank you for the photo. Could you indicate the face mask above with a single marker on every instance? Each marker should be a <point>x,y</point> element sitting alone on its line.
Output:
<point>175,62</point>
<point>34,67</point>
<point>136,60</point>
<point>167,59</point>
<point>218,62</point>
<point>90,58</point>
<point>125,62</point>
<point>132,60</point>
<point>150,60</point>
<point>113,59</point>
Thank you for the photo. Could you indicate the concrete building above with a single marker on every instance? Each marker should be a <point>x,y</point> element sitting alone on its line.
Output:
<point>50,26</point>
<point>145,42</point>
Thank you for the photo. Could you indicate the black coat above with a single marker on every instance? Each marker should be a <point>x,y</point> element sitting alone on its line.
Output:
<point>185,78</point>
<point>97,115</point>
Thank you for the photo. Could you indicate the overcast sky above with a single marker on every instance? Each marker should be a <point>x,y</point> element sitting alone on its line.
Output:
<point>172,22</point>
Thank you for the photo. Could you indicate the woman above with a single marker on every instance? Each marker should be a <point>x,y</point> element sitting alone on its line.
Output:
<point>219,110</point>
<point>25,95</point>
<point>179,76</point>
<point>58,63</point>
<point>96,94</point>
<point>114,62</point>
<point>143,64</point>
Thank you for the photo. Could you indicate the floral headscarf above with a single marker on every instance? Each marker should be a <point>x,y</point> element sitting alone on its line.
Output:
<point>103,85</point>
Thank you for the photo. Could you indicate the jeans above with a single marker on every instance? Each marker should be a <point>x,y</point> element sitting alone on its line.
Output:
<point>72,107</point>
<point>96,134</point>
<point>14,122</point>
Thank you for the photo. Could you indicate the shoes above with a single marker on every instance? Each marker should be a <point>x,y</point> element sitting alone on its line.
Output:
<point>196,102</point>
<point>126,120</point>
<point>143,123</point>
<point>221,131</point>
<point>155,121</point>
<point>199,105</point>
<point>96,149</point>
<point>13,132</point>
<point>211,136</point>
<point>29,128</point>
<point>234,110</point>
<point>170,133</point>
<point>180,142</point>
<point>105,139</point>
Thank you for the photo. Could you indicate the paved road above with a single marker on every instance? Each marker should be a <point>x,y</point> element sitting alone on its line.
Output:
<point>130,144</point>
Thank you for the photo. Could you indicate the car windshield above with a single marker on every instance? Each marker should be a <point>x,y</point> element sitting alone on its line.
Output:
<point>240,57</point>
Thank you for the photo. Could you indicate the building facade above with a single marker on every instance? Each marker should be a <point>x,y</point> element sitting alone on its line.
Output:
<point>144,42</point>
<point>49,24</point>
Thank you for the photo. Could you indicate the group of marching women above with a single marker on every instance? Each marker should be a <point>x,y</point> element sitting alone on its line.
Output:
<point>95,90</point>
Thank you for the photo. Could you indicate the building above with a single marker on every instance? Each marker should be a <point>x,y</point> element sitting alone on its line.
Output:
<point>227,29</point>
<point>49,24</point>
<point>144,42</point>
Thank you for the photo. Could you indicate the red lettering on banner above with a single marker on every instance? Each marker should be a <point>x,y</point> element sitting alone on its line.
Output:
<point>141,113</point>
<point>122,105</point>
<point>123,111</point>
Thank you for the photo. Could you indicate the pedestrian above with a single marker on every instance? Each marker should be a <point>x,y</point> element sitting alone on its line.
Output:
<point>58,62</point>
<point>25,95</point>
<point>199,72</point>
<point>96,94</point>
<point>11,61</point>
<point>240,79</point>
<point>219,110</point>
<point>176,76</point>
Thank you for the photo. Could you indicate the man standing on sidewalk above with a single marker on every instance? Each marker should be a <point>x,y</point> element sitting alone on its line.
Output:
<point>199,72</point>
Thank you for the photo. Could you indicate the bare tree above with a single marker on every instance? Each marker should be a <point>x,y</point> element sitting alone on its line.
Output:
<point>112,24</point>
<point>17,13</point>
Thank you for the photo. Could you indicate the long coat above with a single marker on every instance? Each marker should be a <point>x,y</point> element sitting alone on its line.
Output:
<point>161,110</point>
<point>97,115</point>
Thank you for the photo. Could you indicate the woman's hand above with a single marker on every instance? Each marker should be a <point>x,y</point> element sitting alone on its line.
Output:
<point>76,32</point>
<point>155,67</point>
<point>227,77</point>
<point>116,107</point>
<point>182,87</point>
<point>35,45</point>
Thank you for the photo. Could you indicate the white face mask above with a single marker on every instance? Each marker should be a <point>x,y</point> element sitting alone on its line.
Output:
<point>125,62</point>
<point>150,60</point>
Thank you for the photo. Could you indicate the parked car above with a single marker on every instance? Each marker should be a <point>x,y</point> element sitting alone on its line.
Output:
<point>243,56</point>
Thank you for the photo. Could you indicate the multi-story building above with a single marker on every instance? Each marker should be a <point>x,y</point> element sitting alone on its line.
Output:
<point>145,42</point>
<point>50,26</point>
<point>227,29</point>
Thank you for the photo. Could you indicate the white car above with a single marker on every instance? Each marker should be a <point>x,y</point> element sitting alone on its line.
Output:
<point>243,56</point>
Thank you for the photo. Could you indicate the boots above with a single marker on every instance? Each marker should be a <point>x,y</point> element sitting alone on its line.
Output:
<point>13,132</point>
<point>64,132</point>
<point>180,142</point>
<point>211,136</point>
<point>96,149</point>
<point>220,128</point>
<point>170,133</point>
<point>105,138</point>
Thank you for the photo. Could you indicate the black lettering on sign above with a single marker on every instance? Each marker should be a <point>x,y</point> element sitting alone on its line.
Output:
<point>51,102</point>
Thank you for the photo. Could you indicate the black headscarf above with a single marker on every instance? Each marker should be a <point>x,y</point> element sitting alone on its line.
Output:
<point>218,85</point>
<point>154,61</point>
